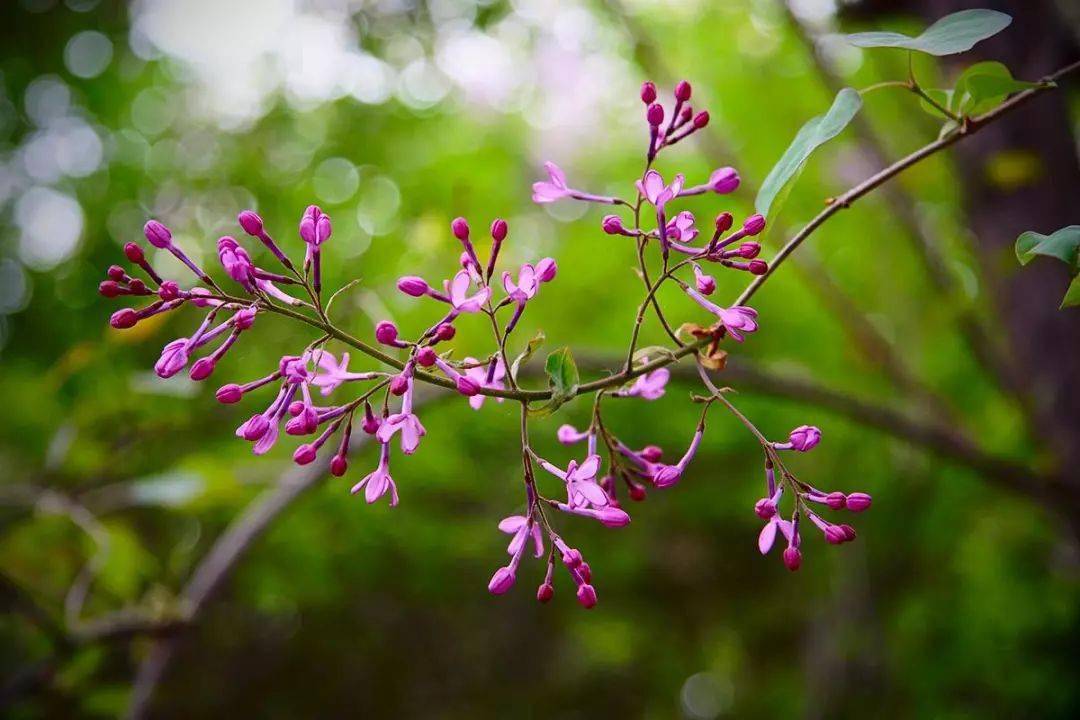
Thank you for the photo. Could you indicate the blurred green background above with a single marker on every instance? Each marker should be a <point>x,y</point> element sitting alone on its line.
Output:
<point>959,599</point>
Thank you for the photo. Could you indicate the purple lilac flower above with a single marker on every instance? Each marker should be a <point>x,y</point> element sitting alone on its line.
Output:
<point>555,188</point>
<point>376,483</point>
<point>485,376</point>
<point>802,439</point>
<point>737,319</point>
<point>722,181</point>
<point>332,374</point>
<point>522,529</point>
<point>660,474</point>
<point>315,229</point>
<point>457,292</point>
<point>648,386</point>
<point>406,422</point>
<point>568,434</point>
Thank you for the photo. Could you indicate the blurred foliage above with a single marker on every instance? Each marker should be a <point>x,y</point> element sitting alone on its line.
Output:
<point>958,600</point>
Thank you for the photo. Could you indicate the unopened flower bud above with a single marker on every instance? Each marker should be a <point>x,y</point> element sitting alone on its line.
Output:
<point>572,558</point>
<point>115,272</point>
<point>652,453</point>
<point>108,288</point>
<point>412,285</point>
<point>749,250</point>
<point>612,225</point>
<point>386,332</point>
<point>648,93</point>
<point>399,385</point>
<point>124,318</point>
<point>836,500</point>
<point>445,332</point>
<point>425,357</point>
<point>296,407</point>
<point>202,369</point>
<point>370,425</point>
<point>244,318</point>
<point>546,270</point>
<point>724,221</point>
<point>545,592</point>
<point>834,535</point>
<point>467,386</point>
<point>701,120</point>
<point>637,492</point>
<point>338,465</point>
<point>804,438</point>
<point>498,230</point>
<point>585,571</point>
<point>682,91</point>
<point>254,428</point>
<point>169,290</point>
<point>137,286</point>
<point>315,228</point>
<point>157,234</point>
<point>849,533</point>
<point>304,454</point>
<point>858,501</point>
<point>792,558</point>
<point>655,115</point>
<point>686,113</point>
<point>229,394</point>
<point>133,252</point>
<point>757,267</point>
<point>754,224</point>
<point>251,222</point>
<point>501,581</point>
<point>460,228</point>
<point>724,180</point>
<point>614,517</point>
<point>586,595</point>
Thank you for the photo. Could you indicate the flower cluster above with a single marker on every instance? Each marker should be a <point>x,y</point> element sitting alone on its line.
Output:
<point>384,405</point>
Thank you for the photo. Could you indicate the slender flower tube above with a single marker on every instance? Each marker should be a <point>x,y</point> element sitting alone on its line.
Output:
<point>555,188</point>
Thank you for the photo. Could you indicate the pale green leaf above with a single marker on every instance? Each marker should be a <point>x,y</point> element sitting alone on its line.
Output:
<point>951,34</point>
<point>1063,244</point>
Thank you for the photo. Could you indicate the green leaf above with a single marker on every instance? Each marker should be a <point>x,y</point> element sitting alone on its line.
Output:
<point>537,341</point>
<point>1063,244</point>
<point>813,134</point>
<point>983,86</point>
<point>942,97</point>
<point>1072,295</point>
<point>951,34</point>
<point>563,380</point>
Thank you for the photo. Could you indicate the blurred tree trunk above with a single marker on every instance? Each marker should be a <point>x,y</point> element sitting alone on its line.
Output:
<point>1023,173</point>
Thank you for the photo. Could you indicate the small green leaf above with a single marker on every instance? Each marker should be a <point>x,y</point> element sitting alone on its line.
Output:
<point>983,86</point>
<point>537,341</point>
<point>951,34</point>
<point>1072,295</point>
<point>562,373</point>
<point>941,97</point>
<point>813,134</point>
<point>1063,244</point>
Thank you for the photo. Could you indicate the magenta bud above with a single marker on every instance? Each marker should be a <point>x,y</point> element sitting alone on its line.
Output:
<point>572,558</point>
<point>137,286</point>
<point>637,492</point>
<point>754,224</point>
<point>749,250</point>
<point>686,113</point>
<point>648,93</point>
<point>425,357</point>
<point>202,369</point>
<point>585,571</point>
<point>682,91</point>
<point>545,592</point>
<point>655,115</point>
<point>858,501</point>
<point>612,225</point>
<point>652,453</point>
<point>123,319</point>
<point>296,407</point>
<point>724,180</point>
<point>792,558</point>
<point>614,517</point>
<point>244,318</point>
<point>501,581</point>
<point>255,428</point>
<point>370,425</point>
<point>115,272</point>
<point>724,221</point>
<point>546,269</point>
<point>586,596</point>
<point>169,290</point>
<point>229,394</point>
<point>108,288</point>
<point>764,508</point>
<point>757,267</point>
<point>304,454</point>
<point>399,385</point>
<point>445,332</point>
<point>133,252</point>
<point>834,535</point>
<point>412,285</point>
<point>804,438</point>
<point>338,465</point>
<point>157,234</point>
<point>849,533</point>
<point>701,119</point>
<point>467,386</point>
<point>386,332</point>
<point>460,228</point>
<point>315,228</point>
<point>836,500</point>
<point>706,284</point>
<point>499,229</point>
<point>251,222</point>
